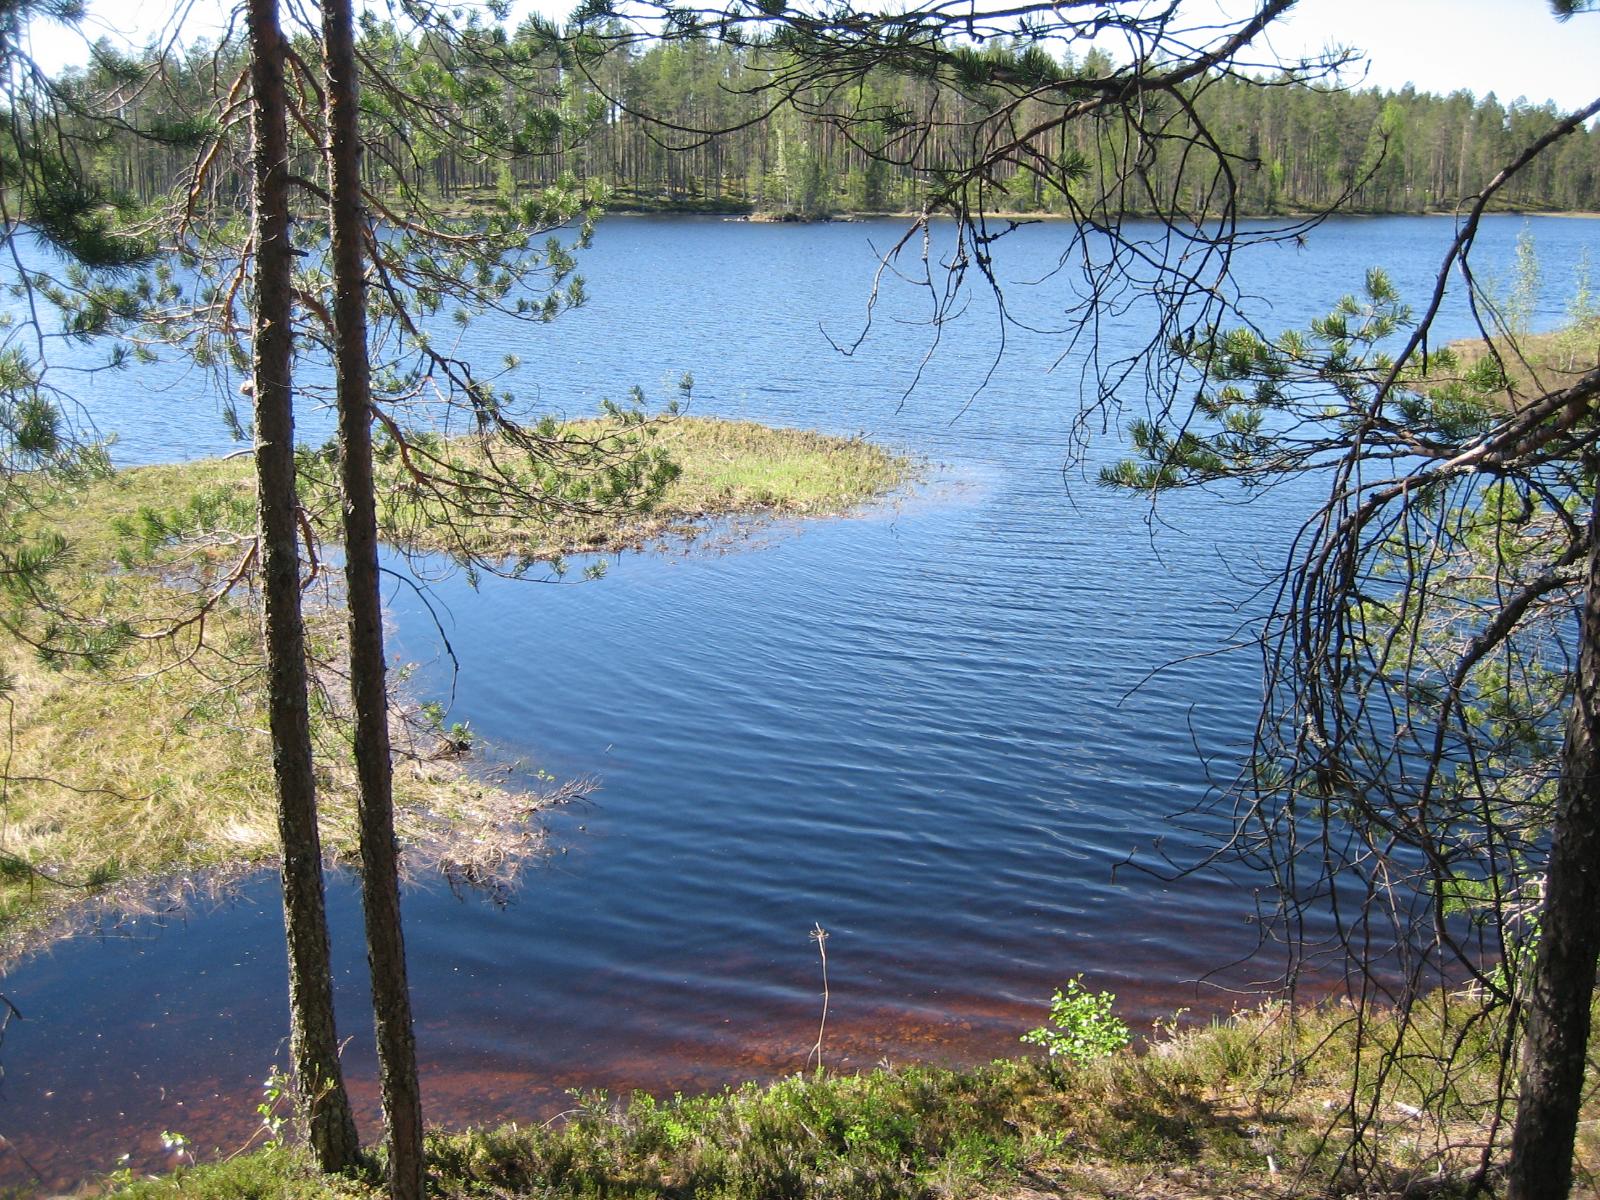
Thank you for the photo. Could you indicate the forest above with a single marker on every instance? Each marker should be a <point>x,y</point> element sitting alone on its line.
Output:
<point>701,125</point>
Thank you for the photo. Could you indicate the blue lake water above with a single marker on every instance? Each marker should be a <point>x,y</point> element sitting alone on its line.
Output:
<point>920,725</point>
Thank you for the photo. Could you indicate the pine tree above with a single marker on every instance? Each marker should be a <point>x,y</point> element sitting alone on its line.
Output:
<point>313,1040</point>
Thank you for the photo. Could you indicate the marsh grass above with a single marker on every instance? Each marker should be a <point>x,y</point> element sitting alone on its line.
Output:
<point>1536,363</point>
<point>1237,1107</point>
<point>723,469</point>
<point>158,764</point>
<point>162,766</point>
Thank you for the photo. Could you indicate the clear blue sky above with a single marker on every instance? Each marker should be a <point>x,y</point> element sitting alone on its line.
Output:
<point>1510,47</point>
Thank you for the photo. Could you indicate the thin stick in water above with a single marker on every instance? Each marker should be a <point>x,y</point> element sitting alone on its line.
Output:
<point>819,935</point>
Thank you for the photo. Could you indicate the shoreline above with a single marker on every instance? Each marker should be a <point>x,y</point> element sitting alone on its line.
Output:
<point>1219,1108</point>
<point>150,782</point>
<point>741,215</point>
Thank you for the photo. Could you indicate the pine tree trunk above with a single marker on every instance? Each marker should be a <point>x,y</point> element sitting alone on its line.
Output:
<point>1562,988</point>
<point>380,883</point>
<point>313,1040</point>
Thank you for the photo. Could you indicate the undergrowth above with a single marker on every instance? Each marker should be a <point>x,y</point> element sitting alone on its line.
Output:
<point>1251,1105</point>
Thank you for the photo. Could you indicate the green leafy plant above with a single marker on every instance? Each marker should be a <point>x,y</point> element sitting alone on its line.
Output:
<point>1082,1025</point>
<point>178,1146</point>
<point>275,1095</point>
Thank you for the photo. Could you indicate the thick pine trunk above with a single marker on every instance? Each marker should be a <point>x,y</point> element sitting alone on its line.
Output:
<point>1562,988</point>
<point>313,1041</point>
<point>380,882</point>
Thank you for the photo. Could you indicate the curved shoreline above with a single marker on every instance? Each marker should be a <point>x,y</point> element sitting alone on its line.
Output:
<point>150,782</point>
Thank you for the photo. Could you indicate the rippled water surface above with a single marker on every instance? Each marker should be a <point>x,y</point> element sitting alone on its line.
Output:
<point>915,725</point>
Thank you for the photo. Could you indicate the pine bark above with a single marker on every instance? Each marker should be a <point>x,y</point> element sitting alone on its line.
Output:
<point>313,1039</point>
<point>1562,988</point>
<point>380,876</point>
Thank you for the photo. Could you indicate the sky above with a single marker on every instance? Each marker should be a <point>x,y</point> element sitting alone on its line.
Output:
<point>1513,48</point>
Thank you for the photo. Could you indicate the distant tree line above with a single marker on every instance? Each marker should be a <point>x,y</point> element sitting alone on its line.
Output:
<point>700,124</point>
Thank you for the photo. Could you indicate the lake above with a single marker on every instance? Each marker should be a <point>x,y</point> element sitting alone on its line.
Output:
<point>921,726</point>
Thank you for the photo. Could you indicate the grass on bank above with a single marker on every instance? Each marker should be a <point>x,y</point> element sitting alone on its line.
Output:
<point>1249,1106</point>
<point>1533,364</point>
<point>159,765</point>
<point>724,469</point>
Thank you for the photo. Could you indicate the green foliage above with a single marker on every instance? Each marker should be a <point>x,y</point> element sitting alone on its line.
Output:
<point>276,1172</point>
<point>1578,340</point>
<point>912,103</point>
<point>881,1135</point>
<point>1422,652</point>
<point>877,1135</point>
<point>1082,1026</point>
<point>1523,297</point>
<point>209,513</point>
<point>1224,1108</point>
<point>276,1099</point>
<point>67,248</point>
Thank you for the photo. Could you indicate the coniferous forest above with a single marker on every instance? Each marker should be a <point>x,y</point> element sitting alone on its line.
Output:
<point>694,125</point>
